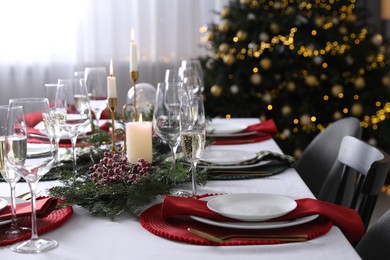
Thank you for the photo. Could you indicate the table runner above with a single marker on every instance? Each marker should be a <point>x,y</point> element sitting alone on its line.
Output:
<point>176,229</point>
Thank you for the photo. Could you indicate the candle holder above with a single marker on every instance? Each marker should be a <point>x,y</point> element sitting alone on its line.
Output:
<point>112,103</point>
<point>134,78</point>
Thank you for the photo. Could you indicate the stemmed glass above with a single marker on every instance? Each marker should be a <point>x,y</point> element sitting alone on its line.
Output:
<point>96,81</point>
<point>50,94</point>
<point>10,176</point>
<point>166,115</point>
<point>30,159</point>
<point>72,110</point>
<point>192,132</point>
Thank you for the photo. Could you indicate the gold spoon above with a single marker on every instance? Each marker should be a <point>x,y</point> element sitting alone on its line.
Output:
<point>282,238</point>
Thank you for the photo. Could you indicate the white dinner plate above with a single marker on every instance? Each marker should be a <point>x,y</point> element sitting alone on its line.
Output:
<point>225,128</point>
<point>3,203</point>
<point>231,167</point>
<point>256,225</point>
<point>252,206</point>
<point>227,157</point>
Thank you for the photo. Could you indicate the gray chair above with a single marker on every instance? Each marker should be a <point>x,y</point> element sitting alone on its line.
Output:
<point>360,168</point>
<point>375,243</point>
<point>319,156</point>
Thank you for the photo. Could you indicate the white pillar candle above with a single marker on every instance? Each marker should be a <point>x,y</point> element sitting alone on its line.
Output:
<point>133,53</point>
<point>111,83</point>
<point>139,141</point>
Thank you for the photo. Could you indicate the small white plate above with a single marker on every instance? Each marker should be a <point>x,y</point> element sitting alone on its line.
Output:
<point>227,157</point>
<point>3,203</point>
<point>225,128</point>
<point>252,206</point>
<point>256,225</point>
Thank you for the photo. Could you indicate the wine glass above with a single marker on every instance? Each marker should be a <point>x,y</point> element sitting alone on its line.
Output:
<point>192,82</point>
<point>192,132</point>
<point>50,94</point>
<point>10,176</point>
<point>96,81</point>
<point>166,116</point>
<point>31,160</point>
<point>72,110</point>
<point>170,75</point>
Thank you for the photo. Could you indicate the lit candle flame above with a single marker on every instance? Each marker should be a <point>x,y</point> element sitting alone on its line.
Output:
<point>140,118</point>
<point>111,68</point>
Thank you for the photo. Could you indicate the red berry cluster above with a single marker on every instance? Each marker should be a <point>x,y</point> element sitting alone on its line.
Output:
<point>114,168</point>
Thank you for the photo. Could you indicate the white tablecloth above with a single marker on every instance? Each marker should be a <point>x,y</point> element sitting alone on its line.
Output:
<point>89,237</point>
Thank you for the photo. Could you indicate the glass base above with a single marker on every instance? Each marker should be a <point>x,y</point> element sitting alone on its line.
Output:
<point>13,233</point>
<point>181,193</point>
<point>35,246</point>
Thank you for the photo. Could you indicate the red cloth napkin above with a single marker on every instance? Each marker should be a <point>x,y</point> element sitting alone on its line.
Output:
<point>33,118</point>
<point>264,131</point>
<point>44,206</point>
<point>348,220</point>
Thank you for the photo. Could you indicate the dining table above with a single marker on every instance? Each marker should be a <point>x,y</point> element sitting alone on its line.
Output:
<point>85,236</point>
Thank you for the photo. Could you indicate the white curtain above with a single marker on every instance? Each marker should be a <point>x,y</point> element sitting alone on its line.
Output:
<point>43,40</point>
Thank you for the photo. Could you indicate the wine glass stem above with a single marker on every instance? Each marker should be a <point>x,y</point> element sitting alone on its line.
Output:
<point>173,151</point>
<point>14,223</point>
<point>34,229</point>
<point>193,171</point>
<point>73,140</point>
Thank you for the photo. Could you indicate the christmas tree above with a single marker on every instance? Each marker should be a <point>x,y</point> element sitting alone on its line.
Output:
<point>303,63</point>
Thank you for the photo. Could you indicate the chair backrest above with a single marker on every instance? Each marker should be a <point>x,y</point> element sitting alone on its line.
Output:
<point>319,156</point>
<point>365,167</point>
<point>375,243</point>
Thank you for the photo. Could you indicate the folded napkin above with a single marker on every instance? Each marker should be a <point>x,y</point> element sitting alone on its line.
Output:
<point>265,127</point>
<point>263,131</point>
<point>33,118</point>
<point>348,220</point>
<point>44,206</point>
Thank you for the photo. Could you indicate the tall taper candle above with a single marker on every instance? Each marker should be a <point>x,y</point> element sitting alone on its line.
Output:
<point>111,83</point>
<point>133,53</point>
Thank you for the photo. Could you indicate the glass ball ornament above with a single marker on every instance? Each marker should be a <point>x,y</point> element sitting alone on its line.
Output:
<point>234,89</point>
<point>317,60</point>
<point>357,109</point>
<point>291,86</point>
<point>274,27</point>
<point>223,47</point>
<point>256,79</point>
<point>337,115</point>
<point>210,64</point>
<point>225,12</point>
<point>146,97</point>
<point>337,89</point>
<point>266,63</point>
<point>242,35</point>
<point>251,16</point>
<point>264,37</point>
<point>360,83</point>
<point>386,80</point>
<point>311,81</point>
<point>304,120</point>
<point>377,39</point>
<point>286,110</point>
<point>223,27</point>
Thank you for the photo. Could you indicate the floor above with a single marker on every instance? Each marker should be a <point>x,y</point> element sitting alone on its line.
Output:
<point>382,205</point>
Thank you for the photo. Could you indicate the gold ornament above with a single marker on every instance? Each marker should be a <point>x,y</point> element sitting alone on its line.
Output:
<point>223,47</point>
<point>291,86</point>
<point>223,27</point>
<point>337,115</point>
<point>210,36</point>
<point>216,90</point>
<point>266,63</point>
<point>386,80</point>
<point>242,35</point>
<point>337,89</point>
<point>360,83</point>
<point>351,18</point>
<point>311,81</point>
<point>229,59</point>
<point>304,120</point>
<point>225,12</point>
<point>319,21</point>
<point>245,2</point>
<point>356,109</point>
<point>286,110</point>
<point>255,79</point>
<point>274,28</point>
<point>343,30</point>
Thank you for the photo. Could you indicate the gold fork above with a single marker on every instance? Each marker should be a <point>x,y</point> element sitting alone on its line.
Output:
<point>282,238</point>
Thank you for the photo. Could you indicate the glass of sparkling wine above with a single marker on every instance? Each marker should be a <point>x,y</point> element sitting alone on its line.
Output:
<point>192,132</point>
<point>10,176</point>
<point>72,110</point>
<point>30,159</point>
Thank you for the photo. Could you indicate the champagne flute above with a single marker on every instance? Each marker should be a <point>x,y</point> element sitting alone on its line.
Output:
<point>192,132</point>
<point>96,81</point>
<point>30,159</point>
<point>166,116</point>
<point>72,110</point>
<point>10,176</point>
